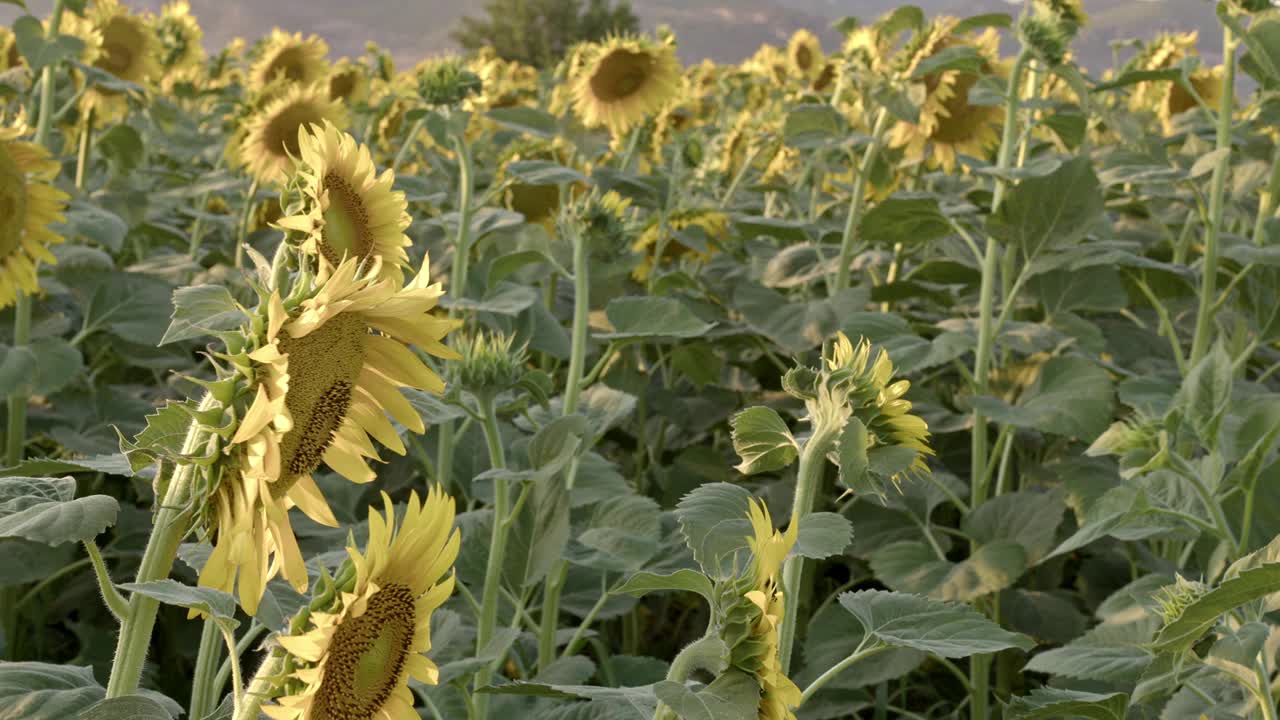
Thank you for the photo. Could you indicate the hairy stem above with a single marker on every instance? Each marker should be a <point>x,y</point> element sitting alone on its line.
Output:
<point>858,201</point>
<point>492,593</point>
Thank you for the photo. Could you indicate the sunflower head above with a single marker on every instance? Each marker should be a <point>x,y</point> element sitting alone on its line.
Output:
<point>10,56</point>
<point>604,219</point>
<point>29,203</point>
<point>1207,82</point>
<point>355,658</point>
<point>349,82</point>
<point>348,210</point>
<point>288,55</point>
<point>271,137</point>
<point>804,54</point>
<point>949,124</point>
<point>446,82</point>
<point>181,41</point>
<point>491,363</point>
<point>320,369</point>
<point>700,227</point>
<point>624,80</point>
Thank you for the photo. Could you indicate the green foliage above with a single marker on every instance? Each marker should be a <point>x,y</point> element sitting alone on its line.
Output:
<point>539,32</point>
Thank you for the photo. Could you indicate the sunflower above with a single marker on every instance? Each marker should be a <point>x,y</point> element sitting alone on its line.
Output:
<point>28,204</point>
<point>623,81</point>
<point>325,375</point>
<point>949,124</point>
<point>289,56</point>
<point>713,223</point>
<point>538,202</point>
<point>10,56</point>
<point>121,44</point>
<point>768,549</point>
<point>768,62</point>
<point>348,209</point>
<point>356,661</point>
<point>1166,51</point>
<point>181,42</point>
<point>271,137</point>
<point>349,82</point>
<point>804,54</point>
<point>1207,83</point>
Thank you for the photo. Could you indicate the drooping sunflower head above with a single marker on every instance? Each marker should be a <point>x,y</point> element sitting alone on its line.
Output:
<point>624,80</point>
<point>1207,83</point>
<point>768,62</point>
<point>181,41</point>
<point>1164,52</point>
<point>604,219</point>
<point>323,372</point>
<point>271,137</point>
<point>538,202</point>
<point>290,56</point>
<point>804,54</point>
<point>349,82</point>
<point>689,232</point>
<point>348,209</point>
<point>355,660</point>
<point>949,123</point>
<point>29,203</point>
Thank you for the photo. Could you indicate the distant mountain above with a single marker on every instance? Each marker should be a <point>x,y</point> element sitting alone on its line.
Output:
<point>723,30</point>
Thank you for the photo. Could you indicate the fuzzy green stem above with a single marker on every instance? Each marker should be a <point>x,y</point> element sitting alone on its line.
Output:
<point>409,143</point>
<point>1267,700</point>
<point>1267,201</point>
<point>701,654</point>
<point>206,670</point>
<point>114,601</point>
<point>242,228</point>
<point>858,201</point>
<point>224,670</point>
<point>457,288</point>
<point>860,654</point>
<point>172,522</point>
<point>86,140</point>
<point>261,688</point>
<point>813,461</point>
<point>1217,192</point>
<point>16,435</point>
<point>497,550</point>
<point>237,680</point>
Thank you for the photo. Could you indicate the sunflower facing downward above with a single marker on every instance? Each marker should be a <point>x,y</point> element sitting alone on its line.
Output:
<point>289,56</point>
<point>1207,82</point>
<point>624,80</point>
<point>28,204</point>
<point>768,549</point>
<point>949,124</point>
<point>350,210</point>
<point>271,138</point>
<point>327,373</point>
<point>356,661</point>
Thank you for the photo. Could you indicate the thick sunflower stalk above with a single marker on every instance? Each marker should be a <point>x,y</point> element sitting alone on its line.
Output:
<point>309,380</point>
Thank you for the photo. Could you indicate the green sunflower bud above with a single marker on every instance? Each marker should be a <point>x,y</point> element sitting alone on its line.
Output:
<point>490,364</point>
<point>447,82</point>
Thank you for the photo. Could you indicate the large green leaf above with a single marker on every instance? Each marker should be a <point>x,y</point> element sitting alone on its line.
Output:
<point>39,49</point>
<point>128,707</point>
<point>643,583</point>
<point>1050,212</point>
<point>714,521</point>
<point>940,628</point>
<point>1196,618</point>
<point>201,310</point>
<point>171,592</point>
<point>46,510</point>
<point>735,695</point>
<point>41,691</point>
<point>1072,397</point>
<point>622,534</point>
<point>1111,651</point>
<point>912,220</point>
<point>652,317</point>
<point>763,440</point>
<point>822,535</point>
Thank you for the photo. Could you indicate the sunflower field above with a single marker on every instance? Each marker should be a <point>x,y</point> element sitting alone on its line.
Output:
<point>927,376</point>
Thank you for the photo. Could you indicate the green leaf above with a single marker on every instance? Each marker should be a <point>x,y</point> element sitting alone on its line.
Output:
<point>735,695</point>
<point>1050,212</point>
<point>97,224</point>
<point>128,707</point>
<point>623,532</point>
<point>854,464</point>
<point>910,220</point>
<point>171,592</point>
<point>686,580</point>
<point>763,441</point>
<point>813,125</point>
<point>123,147</point>
<point>713,519</point>
<point>543,172</point>
<point>505,298</point>
<point>946,629</point>
<point>797,326</point>
<point>1057,704</point>
<point>45,510</point>
<point>823,534</point>
<point>538,123</point>
<point>652,317</point>
<point>40,50</point>
<point>1196,619</point>
<point>835,635</point>
<point>1205,395</point>
<point>1028,518</point>
<point>964,58</point>
<point>115,464</point>
<point>58,362</point>
<point>629,703</point>
<point>1263,41</point>
<point>1111,651</point>
<point>201,310</point>
<point>1072,397</point>
<point>41,691</point>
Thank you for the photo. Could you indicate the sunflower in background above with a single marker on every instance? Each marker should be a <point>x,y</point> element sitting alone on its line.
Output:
<point>538,202</point>
<point>10,57</point>
<point>269,141</point>
<point>949,124</point>
<point>290,57</point>
<point>349,82</point>
<point>1207,83</point>
<point>29,203</point>
<point>804,55</point>
<point>325,373</point>
<point>356,660</point>
<point>181,40</point>
<point>349,210</point>
<point>121,44</point>
<point>1166,51</point>
<point>623,81</point>
<point>713,223</point>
